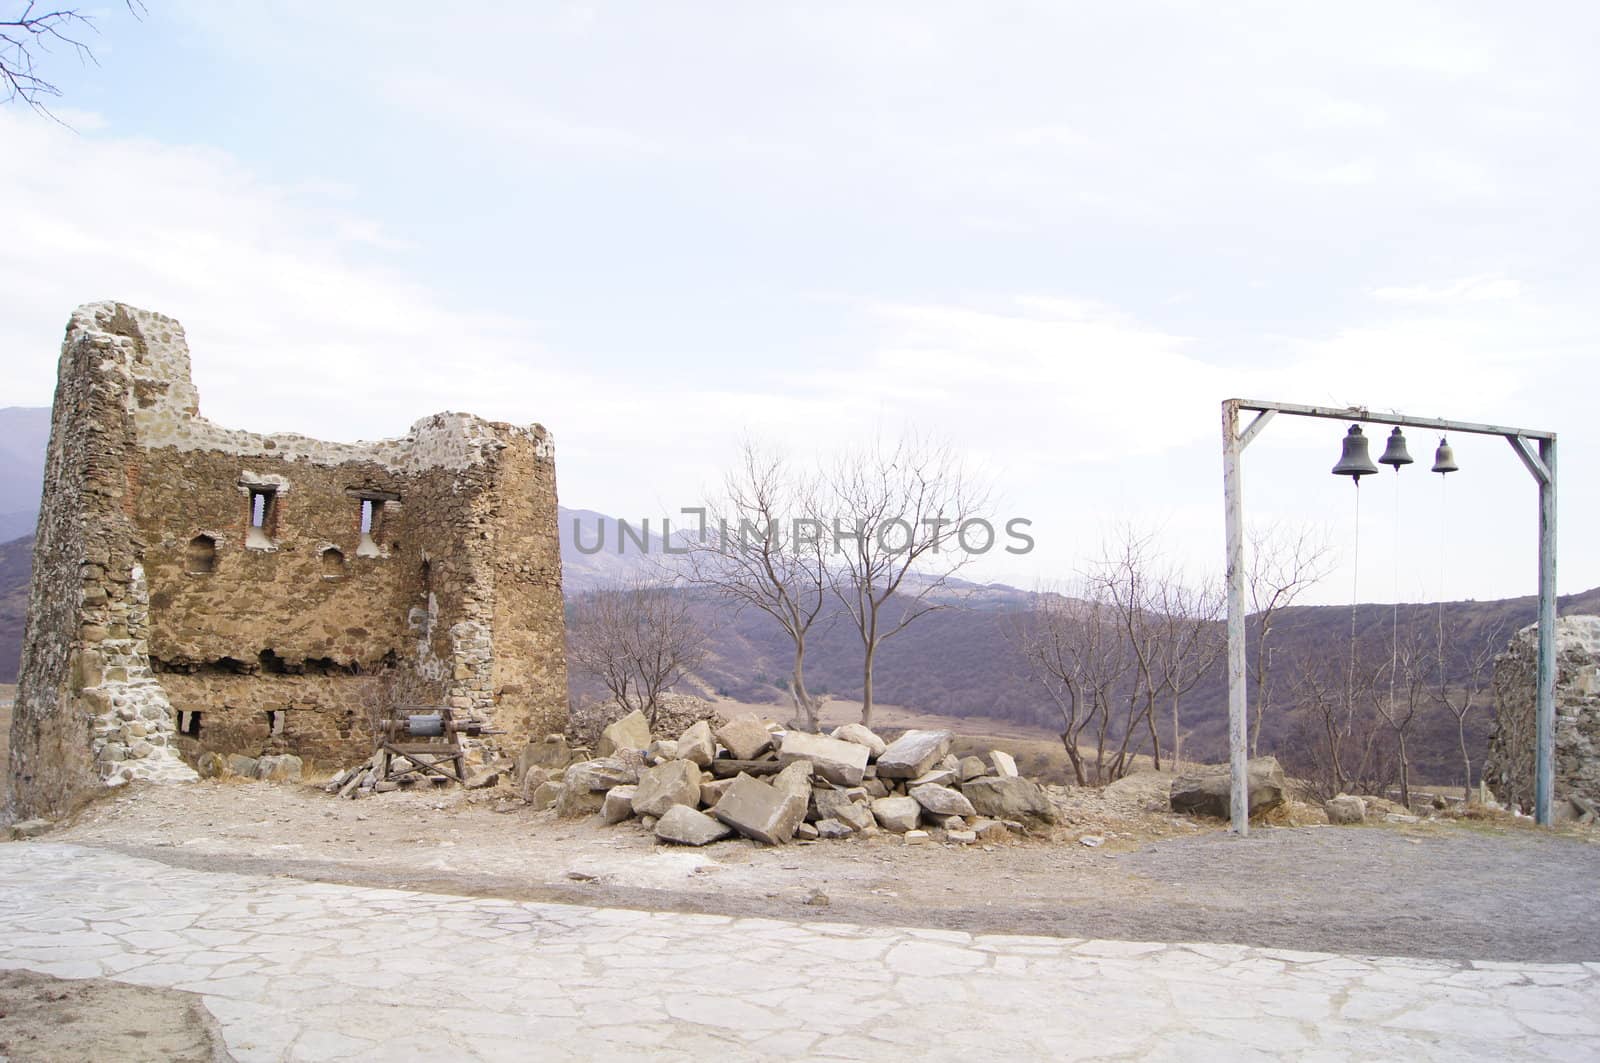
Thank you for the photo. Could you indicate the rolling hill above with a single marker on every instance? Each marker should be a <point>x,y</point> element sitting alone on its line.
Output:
<point>957,661</point>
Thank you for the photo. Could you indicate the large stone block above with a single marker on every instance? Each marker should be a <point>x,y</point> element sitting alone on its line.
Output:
<point>618,804</point>
<point>696,744</point>
<point>856,816</point>
<point>759,811</point>
<point>841,762</point>
<point>600,774</point>
<point>550,752</point>
<point>942,801</point>
<point>827,801</point>
<point>1345,809</point>
<point>683,825</point>
<point>574,802</point>
<point>284,767</point>
<point>898,814</point>
<point>630,732</point>
<point>861,736</point>
<point>913,754</point>
<point>677,782</point>
<point>795,779</point>
<point>242,765</point>
<point>1009,798</point>
<point>1210,793</point>
<point>746,737</point>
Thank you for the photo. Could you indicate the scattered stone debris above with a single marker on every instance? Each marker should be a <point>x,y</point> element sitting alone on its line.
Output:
<point>753,778</point>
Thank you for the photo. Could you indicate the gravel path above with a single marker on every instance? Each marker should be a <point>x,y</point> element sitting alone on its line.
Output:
<point>1456,891</point>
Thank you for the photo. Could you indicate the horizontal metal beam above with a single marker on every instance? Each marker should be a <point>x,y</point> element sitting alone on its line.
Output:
<point>1361,413</point>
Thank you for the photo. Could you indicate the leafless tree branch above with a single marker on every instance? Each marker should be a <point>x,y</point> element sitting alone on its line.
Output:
<point>32,31</point>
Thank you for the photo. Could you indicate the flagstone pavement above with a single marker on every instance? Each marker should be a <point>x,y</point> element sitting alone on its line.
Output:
<point>296,970</point>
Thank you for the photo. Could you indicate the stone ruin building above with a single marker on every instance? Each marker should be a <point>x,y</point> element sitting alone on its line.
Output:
<point>1508,768</point>
<point>197,588</point>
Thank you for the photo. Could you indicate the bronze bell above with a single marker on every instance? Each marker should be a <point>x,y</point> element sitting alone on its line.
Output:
<point>1356,462</point>
<point>1395,453</point>
<point>1444,459</point>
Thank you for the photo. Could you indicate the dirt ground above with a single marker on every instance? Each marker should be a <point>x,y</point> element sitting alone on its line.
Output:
<point>1452,889</point>
<point>47,1020</point>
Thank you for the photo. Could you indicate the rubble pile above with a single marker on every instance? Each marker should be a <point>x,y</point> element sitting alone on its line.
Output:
<point>754,779</point>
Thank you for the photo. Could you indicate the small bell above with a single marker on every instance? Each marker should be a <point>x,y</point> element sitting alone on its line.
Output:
<point>1444,459</point>
<point>1395,453</point>
<point>1355,462</point>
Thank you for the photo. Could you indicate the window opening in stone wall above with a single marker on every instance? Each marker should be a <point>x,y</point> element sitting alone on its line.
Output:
<point>260,504</point>
<point>275,722</point>
<point>189,723</point>
<point>371,528</point>
<point>201,556</point>
<point>427,577</point>
<point>263,514</point>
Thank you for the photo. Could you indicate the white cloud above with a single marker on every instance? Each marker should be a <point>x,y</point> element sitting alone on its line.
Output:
<point>1347,113</point>
<point>1489,287</point>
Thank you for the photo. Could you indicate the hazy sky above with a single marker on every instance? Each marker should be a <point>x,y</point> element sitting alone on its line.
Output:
<point>1057,233</point>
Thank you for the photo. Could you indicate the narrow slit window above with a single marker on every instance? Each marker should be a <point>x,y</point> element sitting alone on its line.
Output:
<point>260,508</point>
<point>275,722</point>
<point>189,723</point>
<point>263,517</point>
<point>371,528</point>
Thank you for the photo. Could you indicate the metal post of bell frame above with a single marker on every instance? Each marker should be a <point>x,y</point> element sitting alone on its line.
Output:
<point>1541,464</point>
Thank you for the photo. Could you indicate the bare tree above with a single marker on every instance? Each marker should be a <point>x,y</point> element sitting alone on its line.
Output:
<point>1170,634</point>
<point>771,555</point>
<point>28,29</point>
<point>1411,675</point>
<point>1192,641</point>
<point>1076,654</point>
<point>901,519</point>
<point>1474,670</point>
<point>637,639</point>
<point>1337,744</point>
<point>1284,562</point>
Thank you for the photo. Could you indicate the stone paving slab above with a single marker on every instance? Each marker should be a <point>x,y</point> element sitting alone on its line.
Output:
<point>295,970</point>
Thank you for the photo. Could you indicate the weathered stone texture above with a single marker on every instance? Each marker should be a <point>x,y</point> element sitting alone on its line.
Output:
<point>154,595</point>
<point>1508,768</point>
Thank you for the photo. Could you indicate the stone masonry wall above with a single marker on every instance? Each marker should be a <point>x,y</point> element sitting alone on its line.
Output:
<point>1508,767</point>
<point>184,568</point>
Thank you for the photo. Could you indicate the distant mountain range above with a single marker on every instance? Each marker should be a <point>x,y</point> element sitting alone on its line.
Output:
<point>956,661</point>
<point>24,434</point>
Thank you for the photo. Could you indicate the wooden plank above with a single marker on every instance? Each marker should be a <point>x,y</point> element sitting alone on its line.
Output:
<point>727,769</point>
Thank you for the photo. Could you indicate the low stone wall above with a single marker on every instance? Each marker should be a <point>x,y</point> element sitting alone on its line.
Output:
<point>1508,768</point>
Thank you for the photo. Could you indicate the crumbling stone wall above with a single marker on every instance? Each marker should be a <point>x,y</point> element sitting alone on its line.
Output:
<point>200,588</point>
<point>1508,768</point>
